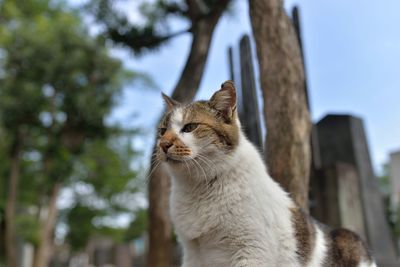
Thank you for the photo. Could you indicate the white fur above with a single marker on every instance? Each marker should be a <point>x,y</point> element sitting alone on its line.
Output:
<point>320,249</point>
<point>367,264</point>
<point>177,125</point>
<point>177,120</point>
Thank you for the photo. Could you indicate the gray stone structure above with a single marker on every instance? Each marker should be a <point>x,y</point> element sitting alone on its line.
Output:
<point>336,194</point>
<point>346,165</point>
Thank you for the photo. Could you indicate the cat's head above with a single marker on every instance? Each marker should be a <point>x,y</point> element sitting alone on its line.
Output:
<point>201,132</point>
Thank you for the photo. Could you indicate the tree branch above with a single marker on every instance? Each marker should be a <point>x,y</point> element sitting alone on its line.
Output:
<point>142,39</point>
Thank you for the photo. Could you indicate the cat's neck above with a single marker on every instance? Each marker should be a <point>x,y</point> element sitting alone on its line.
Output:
<point>243,160</point>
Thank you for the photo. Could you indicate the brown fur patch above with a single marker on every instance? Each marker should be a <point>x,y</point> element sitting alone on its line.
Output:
<point>225,135</point>
<point>165,121</point>
<point>305,234</point>
<point>346,249</point>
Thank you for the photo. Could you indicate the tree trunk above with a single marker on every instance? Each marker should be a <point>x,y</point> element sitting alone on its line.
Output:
<point>43,251</point>
<point>10,234</point>
<point>285,105</point>
<point>160,228</point>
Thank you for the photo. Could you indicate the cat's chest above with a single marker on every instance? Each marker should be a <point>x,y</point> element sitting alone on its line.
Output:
<point>198,213</point>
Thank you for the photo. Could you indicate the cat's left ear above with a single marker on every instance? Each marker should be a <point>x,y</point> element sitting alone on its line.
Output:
<point>224,100</point>
<point>169,102</point>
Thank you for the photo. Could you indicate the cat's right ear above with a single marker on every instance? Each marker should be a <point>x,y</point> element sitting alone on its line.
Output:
<point>169,102</point>
<point>224,100</point>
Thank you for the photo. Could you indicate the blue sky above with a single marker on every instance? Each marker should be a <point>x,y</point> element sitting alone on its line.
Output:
<point>352,51</point>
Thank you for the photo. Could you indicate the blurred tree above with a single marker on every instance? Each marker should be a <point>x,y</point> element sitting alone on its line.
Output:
<point>80,221</point>
<point>57,86</point>
<point>138,226</point>
<point>3,174</point>
<point>103,172</point>
<point>202,17</point>
<point>285,101</point>
<point>392,211</point>
<point>80,226</point>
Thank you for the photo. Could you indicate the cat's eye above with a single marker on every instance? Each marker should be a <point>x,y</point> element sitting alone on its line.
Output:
<point>161,131</point>
<point>189,127</point>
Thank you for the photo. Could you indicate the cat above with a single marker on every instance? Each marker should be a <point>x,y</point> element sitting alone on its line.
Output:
<point>226,209</point>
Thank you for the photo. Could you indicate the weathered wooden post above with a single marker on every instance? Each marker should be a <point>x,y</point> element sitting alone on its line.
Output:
<point>297,27</point>
<point>316,161</point>
<point>231,65</point>
<point>250,115</point>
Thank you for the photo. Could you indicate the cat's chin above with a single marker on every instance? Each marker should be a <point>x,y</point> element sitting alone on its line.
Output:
<point>170,160</point>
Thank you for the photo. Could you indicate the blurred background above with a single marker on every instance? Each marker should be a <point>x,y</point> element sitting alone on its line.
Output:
<point>80,82</point>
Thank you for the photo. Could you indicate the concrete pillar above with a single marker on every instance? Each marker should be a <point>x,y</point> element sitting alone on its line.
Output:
<point>342,139</point>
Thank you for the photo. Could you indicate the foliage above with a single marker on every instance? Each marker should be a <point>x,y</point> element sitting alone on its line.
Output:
<point>392,213</point>
<point>147,36</point>
<point>58,84</point>
<point>28,228</point>
<point>138,226</point>
<point>154,30</point>
<point>80,223</point>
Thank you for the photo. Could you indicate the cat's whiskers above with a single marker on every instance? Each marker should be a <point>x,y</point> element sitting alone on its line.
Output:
<point>187,166</point>
<point>223,159</point>
<point>155,163</point>
<point>201,168</point>
<point>191,162</point>
<point>154,158</point>
<point>207,161</point>
<point>226,159</point>
<point>199,164</point>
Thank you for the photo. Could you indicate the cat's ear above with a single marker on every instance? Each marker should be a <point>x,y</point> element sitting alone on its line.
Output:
<point>224,100</point>
<point>169,102</point>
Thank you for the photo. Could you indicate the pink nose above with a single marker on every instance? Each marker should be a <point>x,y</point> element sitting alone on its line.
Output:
<point>165,145</point>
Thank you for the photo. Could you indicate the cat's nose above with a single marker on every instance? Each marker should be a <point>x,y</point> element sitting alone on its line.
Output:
<point>165,145</point>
